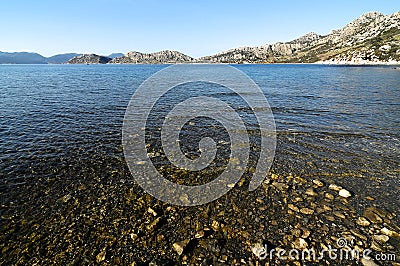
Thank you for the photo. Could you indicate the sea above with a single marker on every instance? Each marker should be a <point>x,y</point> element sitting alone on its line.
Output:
<point>62,125</point>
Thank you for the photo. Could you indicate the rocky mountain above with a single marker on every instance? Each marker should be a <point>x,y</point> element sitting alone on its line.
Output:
<point>89,59</point>
<point>162,57</point>
<point>61,58</point>
<point>21,58</point>
<point>262,54</point>
<point>371,38</point>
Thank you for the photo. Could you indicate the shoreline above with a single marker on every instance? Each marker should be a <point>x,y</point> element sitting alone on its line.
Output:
<point>324,63</point>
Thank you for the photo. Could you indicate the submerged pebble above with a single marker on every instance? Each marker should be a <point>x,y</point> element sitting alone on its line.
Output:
<point>362,221</point>
<point>344,193</point>
<point>180,246</point>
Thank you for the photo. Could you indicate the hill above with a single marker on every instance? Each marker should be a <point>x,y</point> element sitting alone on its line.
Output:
<point>21,58</point>
<point>114,55</point>
<point>371,38</point>
<point>162,57</point>
<point>89,59</point>
<point>61,58</point>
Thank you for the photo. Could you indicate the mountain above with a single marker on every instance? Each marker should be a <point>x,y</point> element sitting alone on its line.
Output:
<point>21,58</point>
<point>60,58</point>
<point>262,54</point>
<point>162,57</point>
<point>114,55</point>
<point>89,59</point>
<point>371,38</point>
<point>35,58</point>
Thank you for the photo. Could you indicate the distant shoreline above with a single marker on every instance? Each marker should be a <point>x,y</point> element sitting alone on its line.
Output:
<point>199,63</point>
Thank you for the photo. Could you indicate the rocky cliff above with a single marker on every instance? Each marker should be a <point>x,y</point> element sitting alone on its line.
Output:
<point>262,54</point>
<point>371,38</point>
<point>162,57</point>
<point>89,59</point>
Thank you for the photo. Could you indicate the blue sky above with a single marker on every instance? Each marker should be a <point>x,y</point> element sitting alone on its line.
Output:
<point>196,28</point>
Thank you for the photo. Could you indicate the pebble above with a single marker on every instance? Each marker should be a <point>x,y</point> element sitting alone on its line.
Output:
<point>184,198</point>
<point>160,238</point>
<point>311,192</point>
<point>215,225</point>
<point>329,196</point>
<point>199,234</point>
<point>133,236</point>
<point>297,199</point>
<point>151,211</point>
<point>334,187</point>
<point>258,249</point>
<point>66,198</point>
<point>330,218</point>
<point>307,211</point>
<point>293,208</point>
<point>380,212</point>
<point>368,262</point>
<point>375,246</point>
<point>390,233</point>
<point>358,234</point>
<point>373,217</point>
<point>386,231</point>
<point>381,238</point>
<point>362,221</point>
<point>224,258</point>
<point>274,176</point>
<point>318,183</point>
<point>179,247</point>
<point>296,232</point>
<point>300,243</point>
<point>327,208</point>
<point>344,193</point>
<point>306,233</point>
<point>150,227</point>
<point>339,214</point>
<point>101,256</point>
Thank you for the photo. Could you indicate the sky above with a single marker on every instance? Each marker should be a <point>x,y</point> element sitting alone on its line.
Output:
<point>196,28</point>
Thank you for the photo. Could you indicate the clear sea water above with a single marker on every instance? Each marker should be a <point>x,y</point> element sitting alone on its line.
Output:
<point>63,122</point>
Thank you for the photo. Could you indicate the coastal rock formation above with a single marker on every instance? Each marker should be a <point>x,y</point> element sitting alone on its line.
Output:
<point>162,57</point>
<point>89,59</point>
<point>239,55</point>
<point>368,25</point>
<point>262,54</point>
<point>371,38</point>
